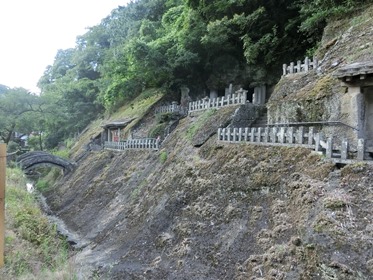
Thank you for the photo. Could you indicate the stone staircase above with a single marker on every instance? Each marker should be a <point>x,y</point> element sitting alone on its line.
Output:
<point>262,121</point>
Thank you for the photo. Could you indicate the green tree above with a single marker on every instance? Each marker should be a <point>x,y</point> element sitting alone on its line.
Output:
<point>18,110</point>
<point>316,13</point>
<point>3,89</point>
<point>168,43</point>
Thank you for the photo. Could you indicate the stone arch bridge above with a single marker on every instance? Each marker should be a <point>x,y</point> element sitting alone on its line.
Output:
<point>32,160</point>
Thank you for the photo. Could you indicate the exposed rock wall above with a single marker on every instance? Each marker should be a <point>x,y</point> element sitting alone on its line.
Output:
<point>318,96</point>
<point>218,212</point>
<point>247,114</point>
<point>314,99</point>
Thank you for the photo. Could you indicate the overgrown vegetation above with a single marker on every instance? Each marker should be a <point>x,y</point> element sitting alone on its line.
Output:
<point>33,249</point>
<point>158,130</point>
<point>316,13</point>
<point>166,44</point>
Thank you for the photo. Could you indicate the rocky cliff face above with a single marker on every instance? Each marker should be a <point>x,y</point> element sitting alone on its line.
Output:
<point>218,212</point>
<point>200,209</point>
<point>318,96</point>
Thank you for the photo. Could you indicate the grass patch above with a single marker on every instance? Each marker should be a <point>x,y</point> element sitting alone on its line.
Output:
<point>33,249</point>
<point>139,106</point>
<point>42,185</point>
<point>163,156</point>
<point>137,191</point>
<point>49,176</point>
<point>61,153</point>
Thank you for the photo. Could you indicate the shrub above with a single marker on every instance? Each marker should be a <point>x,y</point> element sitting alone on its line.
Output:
<point>158,130</point>
<point>316,13</point>
<point>163,156</point>
<point>164,118</point>
<point>42,185</point>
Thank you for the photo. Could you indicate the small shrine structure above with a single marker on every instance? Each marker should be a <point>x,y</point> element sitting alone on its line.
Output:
<point>113,130</point>
<point>357,103</point>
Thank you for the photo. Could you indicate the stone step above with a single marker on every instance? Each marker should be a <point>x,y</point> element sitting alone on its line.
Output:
<point>261,121</point>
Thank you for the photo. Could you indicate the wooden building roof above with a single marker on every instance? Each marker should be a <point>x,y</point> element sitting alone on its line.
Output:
<point>117,124</point>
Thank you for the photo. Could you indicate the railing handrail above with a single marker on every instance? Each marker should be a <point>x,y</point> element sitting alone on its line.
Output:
<point>138,143</point>
<point>239,97</point>
<point>300,67</point>
<point>287,136</point>
<point>313,123</point>
<point>171,108</point>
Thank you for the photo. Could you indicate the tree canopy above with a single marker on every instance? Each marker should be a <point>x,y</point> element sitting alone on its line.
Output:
<point>169,43</point>
<point>19,111</point>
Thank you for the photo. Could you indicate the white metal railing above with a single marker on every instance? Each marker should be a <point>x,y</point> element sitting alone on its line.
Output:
<point>240,97</point>
<point>142,143</point>
<point>299,66</point>
<point>288,136</point>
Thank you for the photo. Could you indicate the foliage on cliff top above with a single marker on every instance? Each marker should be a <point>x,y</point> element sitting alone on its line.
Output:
<point>172,43</point>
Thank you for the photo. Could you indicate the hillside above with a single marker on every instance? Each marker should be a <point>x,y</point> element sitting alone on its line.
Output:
<point>200,209</point>
<point>219,212</point>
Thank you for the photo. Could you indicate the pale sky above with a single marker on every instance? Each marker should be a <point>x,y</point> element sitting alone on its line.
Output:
<point>31,32</point>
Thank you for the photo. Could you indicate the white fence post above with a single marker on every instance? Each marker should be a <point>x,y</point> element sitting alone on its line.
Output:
<point>306,64</point>
<point>244,97</point>
<point>290,135</point>
<point>282,135</point>
<point>310,136</point>
<point>315,62</point>
<point>273,135</point>
<point>329,147</point>
<point>284,69</point>
<point>266,134</point>
<point>259,139</point>
<point>300,135</point>
<point>360,149</point>
<point>291,68</point>
<point>344,149</point>
<point>299,66</point>
<point>246,134</point>
<point>235,134</point>
<point>317,142</point>
<point>252,135</point>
